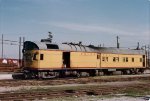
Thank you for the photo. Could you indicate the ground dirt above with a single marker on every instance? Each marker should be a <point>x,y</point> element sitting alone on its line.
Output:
<point>104,88</point>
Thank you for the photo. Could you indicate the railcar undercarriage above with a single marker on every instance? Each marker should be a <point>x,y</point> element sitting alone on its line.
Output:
<point>48,74</point>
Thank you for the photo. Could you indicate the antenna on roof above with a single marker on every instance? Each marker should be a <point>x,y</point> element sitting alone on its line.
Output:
<point>117,41</point>
<point>50,36</point>
<point>80,42</point>
<point>49,39</point>
<point>138,46</point>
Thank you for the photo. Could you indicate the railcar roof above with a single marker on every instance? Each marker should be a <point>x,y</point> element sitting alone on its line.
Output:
<point>28,45</point>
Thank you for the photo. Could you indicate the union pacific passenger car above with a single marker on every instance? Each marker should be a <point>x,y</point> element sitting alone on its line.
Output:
<point>46,60</point>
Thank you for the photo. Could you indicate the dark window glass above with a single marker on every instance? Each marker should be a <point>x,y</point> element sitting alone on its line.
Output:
<point>140,59</point>
<point>52,46</point>
<point>126,59</point>
<point>114,59</point>
<point>132,59</point>
<point>41,57</point>
<point>103,59</point>
<point>107,59</point>
<point>98,56</point>
<point>34,57</point>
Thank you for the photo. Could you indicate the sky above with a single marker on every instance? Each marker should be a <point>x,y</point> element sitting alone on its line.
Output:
<point>90,21</point>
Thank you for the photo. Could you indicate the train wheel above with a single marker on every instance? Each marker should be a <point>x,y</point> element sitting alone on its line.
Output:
<point>92,72</point>
<point>39,75</point>
<point>96,73</point>
<point>84,74</point>
<point>126,72</point>
<point>137,71</point>
<point>25,76</point>
<point>100,73</point>
<point>142,71</point>
<point>87,75</point>
<point>132,71</point>
<point>57,74</point>
<point>123,72</point>
<point>62,74</point>
<point>78,74</point>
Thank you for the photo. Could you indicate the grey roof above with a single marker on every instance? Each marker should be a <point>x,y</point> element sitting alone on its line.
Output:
<point>121,51</point>
<point>82,48</point>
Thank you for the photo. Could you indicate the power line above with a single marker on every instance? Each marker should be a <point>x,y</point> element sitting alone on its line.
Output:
<point>2,46</point>
<point>10,41</point>
<point>10,44</point>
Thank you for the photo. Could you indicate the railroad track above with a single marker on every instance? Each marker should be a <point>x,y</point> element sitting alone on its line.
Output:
<point>60,81</point>
<point>24,96</point>
<point>49,93</point>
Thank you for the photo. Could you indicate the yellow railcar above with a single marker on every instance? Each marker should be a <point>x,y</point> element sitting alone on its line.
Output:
<point>122,61</point>
<point>45,59</point>
<point>83,60</point>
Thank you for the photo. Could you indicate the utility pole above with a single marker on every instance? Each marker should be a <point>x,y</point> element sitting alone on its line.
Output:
<point>2,46</point>
<point>138,46</point>
<point>22,63</point>
<point>19,51</point>
<point>23,40</point>
<point>117,42</point>
<point>148,56</point>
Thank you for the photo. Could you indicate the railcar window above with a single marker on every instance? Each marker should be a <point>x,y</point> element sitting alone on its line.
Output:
<point>41,56</point>
<point>106,58</point>
<point>140,59</point>
<point>98,56</point>
<point>34,57</point>
<point>114,59</point>
<point>103,59</point>
<point>132,59</point>
<point>51,46</point>
<point>126,59</point>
